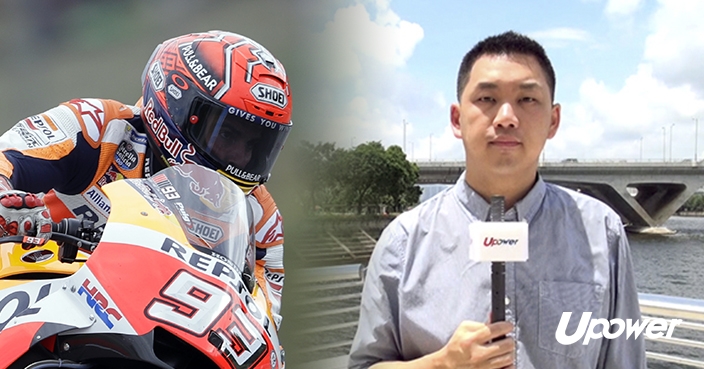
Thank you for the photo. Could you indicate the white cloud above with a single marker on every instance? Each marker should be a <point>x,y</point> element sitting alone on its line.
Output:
<point>358,104</point>
<point>441,101</point>
<point>447,146</point>
<point>370,51</point>
<point>676,45</point>
<point>608,124</point>
<point>621,7</point>
<point>386,39</point>
<point>437,147</point>
<point>605,122</point>
<point>561,34</point>
<point>561,37</point>
<point>651,115</point>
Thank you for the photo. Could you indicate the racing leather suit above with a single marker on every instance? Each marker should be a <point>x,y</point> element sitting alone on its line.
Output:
<point>69,152</point>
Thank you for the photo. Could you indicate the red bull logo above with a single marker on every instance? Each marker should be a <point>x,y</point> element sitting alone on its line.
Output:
<point>160,129</point>
<point>204,183</point>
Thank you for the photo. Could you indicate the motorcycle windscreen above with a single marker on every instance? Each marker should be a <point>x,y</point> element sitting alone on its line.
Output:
<point>212,211</point>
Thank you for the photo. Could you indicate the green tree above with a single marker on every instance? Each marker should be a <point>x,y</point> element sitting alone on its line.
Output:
<point>694,204</point>
<point>400,185</point>
<point>366,176</point>
<point>363,175</point>
<point>372,176</point>
<point>318,164</point>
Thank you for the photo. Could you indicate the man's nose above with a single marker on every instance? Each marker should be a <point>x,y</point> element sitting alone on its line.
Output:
<point>505,117</point>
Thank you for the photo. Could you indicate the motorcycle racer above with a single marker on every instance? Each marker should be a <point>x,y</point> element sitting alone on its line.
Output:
<point>217,99</point>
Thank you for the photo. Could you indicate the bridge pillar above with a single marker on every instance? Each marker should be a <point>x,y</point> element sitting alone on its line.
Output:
<point>645,195</point>
<point>643,206</point>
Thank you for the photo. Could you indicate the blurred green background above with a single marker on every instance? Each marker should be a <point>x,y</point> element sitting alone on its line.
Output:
<point>52,51</point>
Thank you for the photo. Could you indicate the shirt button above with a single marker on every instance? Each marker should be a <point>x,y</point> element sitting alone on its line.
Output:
<point>507,301</point>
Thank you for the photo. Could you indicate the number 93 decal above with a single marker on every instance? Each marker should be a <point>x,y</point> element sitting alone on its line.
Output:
<point>195,305</point>
<point>189,303</point>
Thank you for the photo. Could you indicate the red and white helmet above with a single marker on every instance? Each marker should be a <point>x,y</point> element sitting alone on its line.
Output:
<point>220,100</point>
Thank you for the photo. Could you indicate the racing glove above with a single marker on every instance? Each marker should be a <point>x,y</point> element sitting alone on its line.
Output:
<point>24,214</point>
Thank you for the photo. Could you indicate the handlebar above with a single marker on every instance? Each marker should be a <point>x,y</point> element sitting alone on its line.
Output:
<point>70,234</point>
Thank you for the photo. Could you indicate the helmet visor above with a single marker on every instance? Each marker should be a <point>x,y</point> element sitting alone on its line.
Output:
<point>240,143</point>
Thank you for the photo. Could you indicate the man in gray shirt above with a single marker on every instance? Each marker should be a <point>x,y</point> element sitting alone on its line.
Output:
<point>426,305</point>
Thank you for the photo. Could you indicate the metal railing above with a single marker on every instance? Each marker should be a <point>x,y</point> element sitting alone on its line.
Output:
<point>691,311</point>
<point>330,296</point>
<point>333,304</point>
<point>578,162</point>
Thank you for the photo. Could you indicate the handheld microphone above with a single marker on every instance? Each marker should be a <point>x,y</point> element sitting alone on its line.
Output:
<point>498,241</point>
<point>498,268</point>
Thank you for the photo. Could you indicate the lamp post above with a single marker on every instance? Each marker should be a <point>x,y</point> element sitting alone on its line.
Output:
<point>671,125</point>
<point>404,136</point>
<point>696,137</point>
<point>663,144</point>
<point>430,148</point>
<point>641,148</point>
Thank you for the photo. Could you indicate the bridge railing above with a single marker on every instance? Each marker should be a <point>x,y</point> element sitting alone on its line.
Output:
<point>582,162</point>
<point>691,311</point>
<point>330,297</point>
<point>335,311</point>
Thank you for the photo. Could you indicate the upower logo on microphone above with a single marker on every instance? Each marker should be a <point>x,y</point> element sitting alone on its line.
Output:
<point>596,328</point>
<point>498,241</point>
<point>491,241</point>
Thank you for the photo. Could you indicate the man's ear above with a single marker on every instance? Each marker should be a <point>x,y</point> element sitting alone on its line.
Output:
<point>554,120</point>
<point>455,120</point>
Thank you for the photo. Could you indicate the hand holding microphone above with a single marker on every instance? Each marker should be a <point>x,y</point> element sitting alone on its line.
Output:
<point>498,241</point>
<point>485,345</point>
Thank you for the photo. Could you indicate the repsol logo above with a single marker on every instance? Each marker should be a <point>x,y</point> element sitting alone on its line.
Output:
<point>16,304</point>
<point>491,241</point>
<point>269,94</point>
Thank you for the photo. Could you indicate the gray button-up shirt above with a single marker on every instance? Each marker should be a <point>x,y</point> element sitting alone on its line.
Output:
<point>421,284</point>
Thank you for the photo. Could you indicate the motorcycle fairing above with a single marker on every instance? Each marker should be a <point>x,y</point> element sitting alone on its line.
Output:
<point>15,261</point>
<point>59,311</point>
<point>157,281</point>
<point>111,347</point>
<point>140,234</point>
<point>176,311</point>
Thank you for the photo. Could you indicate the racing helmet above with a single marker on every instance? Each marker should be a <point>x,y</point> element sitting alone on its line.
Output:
<point>220,100</point>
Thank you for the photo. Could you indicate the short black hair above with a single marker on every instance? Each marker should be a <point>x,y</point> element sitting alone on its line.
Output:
<point>507,43</point>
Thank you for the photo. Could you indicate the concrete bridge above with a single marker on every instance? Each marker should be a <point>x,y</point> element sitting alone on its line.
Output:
<point>644,194</point>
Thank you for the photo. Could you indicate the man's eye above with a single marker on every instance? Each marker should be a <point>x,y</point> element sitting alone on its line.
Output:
<point>486,99</point>
<point>528,99</point>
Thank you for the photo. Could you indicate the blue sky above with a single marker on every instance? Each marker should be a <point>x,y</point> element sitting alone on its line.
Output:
<point>627,70</point>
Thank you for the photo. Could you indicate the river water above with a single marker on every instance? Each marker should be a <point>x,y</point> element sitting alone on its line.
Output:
<point>672,265</point>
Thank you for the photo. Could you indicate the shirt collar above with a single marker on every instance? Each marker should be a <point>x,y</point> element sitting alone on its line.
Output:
<point>524,209</point>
